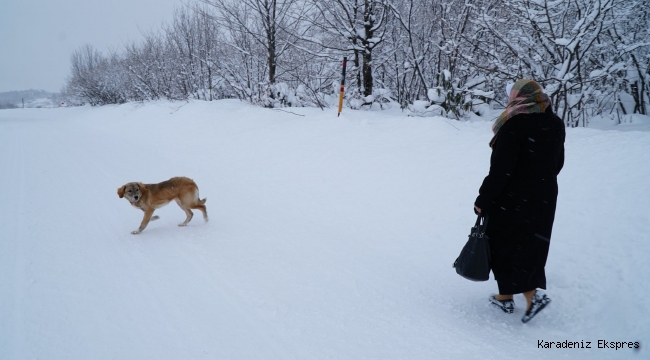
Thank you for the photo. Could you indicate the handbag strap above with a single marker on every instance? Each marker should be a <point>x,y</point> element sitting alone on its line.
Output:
<point>483,226</point>
<point>478,222</point>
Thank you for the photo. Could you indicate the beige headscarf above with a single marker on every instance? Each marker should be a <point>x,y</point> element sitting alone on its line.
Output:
<point>526,97</point>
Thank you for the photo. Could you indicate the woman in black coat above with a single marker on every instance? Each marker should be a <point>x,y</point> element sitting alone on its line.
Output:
<point>519,195</point>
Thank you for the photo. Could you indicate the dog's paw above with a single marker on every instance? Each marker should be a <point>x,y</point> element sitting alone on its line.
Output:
<point>136,232</point>
<point>155,217</point>
<point>182,224</point>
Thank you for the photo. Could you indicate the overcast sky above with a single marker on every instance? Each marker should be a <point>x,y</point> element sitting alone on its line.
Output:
<point>38,36</point>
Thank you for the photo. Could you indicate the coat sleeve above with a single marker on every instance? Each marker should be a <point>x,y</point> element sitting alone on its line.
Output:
<point>502,164</point>
<point>560,162</point>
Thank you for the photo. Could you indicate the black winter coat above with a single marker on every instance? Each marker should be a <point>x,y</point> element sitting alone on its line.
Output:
<point>519,195</point>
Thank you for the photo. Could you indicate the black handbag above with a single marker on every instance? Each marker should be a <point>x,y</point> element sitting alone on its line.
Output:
<point>473,263</point>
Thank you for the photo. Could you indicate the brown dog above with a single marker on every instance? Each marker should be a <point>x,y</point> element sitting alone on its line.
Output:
<point>149,197</point>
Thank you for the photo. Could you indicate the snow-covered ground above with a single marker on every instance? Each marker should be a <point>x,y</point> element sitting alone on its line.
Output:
<point>329,238</point>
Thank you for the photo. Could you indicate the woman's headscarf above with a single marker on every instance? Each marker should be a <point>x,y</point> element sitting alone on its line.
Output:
<point>526,97</point>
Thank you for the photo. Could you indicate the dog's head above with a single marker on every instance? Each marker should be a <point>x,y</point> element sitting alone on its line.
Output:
<point>131,192</point>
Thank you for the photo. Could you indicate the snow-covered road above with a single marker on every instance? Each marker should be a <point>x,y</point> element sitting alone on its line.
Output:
<point>329,238</point>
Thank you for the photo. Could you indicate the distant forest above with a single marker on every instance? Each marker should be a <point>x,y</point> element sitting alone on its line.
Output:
<point>14,99</point>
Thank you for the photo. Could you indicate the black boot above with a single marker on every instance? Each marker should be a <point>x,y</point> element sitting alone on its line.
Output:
<point>508,306</point>
<point>539,302</point>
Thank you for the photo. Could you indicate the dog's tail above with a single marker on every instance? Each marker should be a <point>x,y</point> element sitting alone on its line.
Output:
<point>202,201</point>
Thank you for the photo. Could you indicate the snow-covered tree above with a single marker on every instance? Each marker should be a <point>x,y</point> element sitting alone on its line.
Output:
<point>447,57</point>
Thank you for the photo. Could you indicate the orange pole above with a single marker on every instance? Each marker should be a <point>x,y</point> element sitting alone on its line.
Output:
<point>345,61</point>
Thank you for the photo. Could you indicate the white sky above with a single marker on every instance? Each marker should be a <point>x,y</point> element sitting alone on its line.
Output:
<point>38,36</point>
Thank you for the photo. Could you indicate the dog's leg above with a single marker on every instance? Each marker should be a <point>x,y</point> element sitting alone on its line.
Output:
<point>203,210</point>
<point>145,221</point>
<point>189,217</point>
<point>155,217</point>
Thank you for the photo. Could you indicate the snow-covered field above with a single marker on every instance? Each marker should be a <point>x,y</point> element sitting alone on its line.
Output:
<point>329,238</point>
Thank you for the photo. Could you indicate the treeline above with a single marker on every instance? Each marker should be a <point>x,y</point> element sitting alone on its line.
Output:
<point>16,99</point>
<point>448,57</point>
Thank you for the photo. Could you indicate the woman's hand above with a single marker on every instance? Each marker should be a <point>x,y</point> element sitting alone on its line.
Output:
<point>477,210</point>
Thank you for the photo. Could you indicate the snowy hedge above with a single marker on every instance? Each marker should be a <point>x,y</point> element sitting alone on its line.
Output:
<point>450,58</point>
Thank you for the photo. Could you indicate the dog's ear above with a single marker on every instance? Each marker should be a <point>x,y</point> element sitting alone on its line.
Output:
<point>120,191</point>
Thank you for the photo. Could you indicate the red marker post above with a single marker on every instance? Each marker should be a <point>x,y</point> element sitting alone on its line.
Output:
<point>345,61</point>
